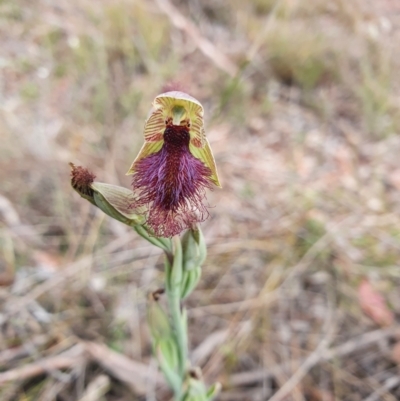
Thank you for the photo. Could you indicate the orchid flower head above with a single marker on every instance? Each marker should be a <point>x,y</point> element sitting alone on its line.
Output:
<point>174,166</point>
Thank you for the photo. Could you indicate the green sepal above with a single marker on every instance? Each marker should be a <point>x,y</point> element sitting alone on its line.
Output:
<point>178,106</point>
<point>168,349</point>
<point>189,281</point>
<point>116,202</point>
<point>166,353</point>
<point>86,196</point>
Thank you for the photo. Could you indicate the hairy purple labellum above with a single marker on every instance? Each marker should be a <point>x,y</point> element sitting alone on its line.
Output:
<point>172,182</point>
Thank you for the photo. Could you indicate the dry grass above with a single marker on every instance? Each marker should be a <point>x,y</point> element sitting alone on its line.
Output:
<point>302,114</point>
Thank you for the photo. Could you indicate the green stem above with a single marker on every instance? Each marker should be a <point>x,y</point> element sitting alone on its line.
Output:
<point>178,318</point>
<point>163,243</point>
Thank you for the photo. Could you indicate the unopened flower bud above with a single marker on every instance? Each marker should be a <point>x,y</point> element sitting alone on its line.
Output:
<point>195,388</point>
<point>157,319</point>
<point>163,339</point>
<point>194,249</point>
<point>213,391</point>
<point>81,181</point>
<point>113,200</point>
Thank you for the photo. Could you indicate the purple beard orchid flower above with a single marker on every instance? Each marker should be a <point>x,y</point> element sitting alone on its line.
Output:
<point>174,166</point>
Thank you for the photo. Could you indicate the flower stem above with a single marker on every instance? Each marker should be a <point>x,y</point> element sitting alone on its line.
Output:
<point>178,317</point>
<point>163,243</point>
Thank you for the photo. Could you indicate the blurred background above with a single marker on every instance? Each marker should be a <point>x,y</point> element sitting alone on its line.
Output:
<point>299,297</point>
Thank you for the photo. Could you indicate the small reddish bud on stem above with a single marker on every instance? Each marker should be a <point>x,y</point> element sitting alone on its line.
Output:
<point>81,179</point>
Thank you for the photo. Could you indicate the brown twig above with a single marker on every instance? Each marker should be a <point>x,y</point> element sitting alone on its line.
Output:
<point>388,385</point>
<point>96,388</point>
<point>313,359</point>
<point>68,359</point>
<point>355,344</point>
<point>135,374</point>
<point>205,46</point>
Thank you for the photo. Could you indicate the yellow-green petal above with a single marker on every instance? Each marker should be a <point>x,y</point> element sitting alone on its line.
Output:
<point>148,148</point>
<point>154,126</point>
<point>205,155</point>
